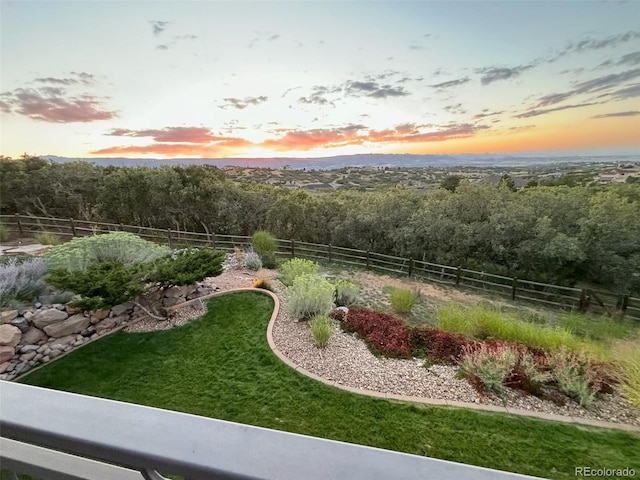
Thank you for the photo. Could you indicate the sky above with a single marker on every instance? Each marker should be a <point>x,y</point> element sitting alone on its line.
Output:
<point>161,79</point>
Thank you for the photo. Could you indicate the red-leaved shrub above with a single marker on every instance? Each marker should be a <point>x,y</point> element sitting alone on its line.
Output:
<point>438,344</point>
<point>383,333</point>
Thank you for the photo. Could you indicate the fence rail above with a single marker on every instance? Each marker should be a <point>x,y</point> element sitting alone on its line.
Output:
<point>557,296</point>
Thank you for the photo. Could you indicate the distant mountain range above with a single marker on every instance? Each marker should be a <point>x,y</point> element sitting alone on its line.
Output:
<point>368,160</point>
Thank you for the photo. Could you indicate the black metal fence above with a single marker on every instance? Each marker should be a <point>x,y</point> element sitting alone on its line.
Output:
<point>555,296</point>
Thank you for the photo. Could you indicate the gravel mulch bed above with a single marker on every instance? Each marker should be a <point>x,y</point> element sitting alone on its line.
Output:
<point>347,361</point>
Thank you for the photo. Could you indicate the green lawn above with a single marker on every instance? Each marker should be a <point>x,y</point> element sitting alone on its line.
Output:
<point>221,366</point>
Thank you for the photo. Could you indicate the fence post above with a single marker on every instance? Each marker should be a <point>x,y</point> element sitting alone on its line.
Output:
<point>458,275</point>
<point>514,286</point>
<point>624,305</point>
<point>121,227</point>
<point>329,252</point>
<point>169,237</point>
<point>19,223</point>
<point>410,267</point>
<point>73,227</point>
<point>583,305</point>
<point>293,249</point>
<point>367,258</point>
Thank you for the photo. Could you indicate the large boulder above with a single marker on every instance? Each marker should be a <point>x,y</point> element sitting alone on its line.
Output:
<point>10,335</point>
<point>33,335</point>
<point>74,324</point>
<point>6,353</point>
<point>7,315</point>
<point>122,308</point>
<point>42,318</point>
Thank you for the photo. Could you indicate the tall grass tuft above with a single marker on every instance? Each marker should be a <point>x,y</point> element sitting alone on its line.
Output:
<point>21,280</point>
<point>47,238</point>
<point>490,364</point>
<point>629,374</point>
<point>265,245</point>
<point>572,374</point>
<point>402,300</point>
<point>321,329</point>
<point>346,293</point>
<point>482,322</point>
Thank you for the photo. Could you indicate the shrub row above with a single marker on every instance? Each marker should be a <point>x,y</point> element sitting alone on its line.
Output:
<point>384,334</point>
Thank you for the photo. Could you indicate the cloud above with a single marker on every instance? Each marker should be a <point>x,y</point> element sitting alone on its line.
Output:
<point>631,113</point>
<point>452,83</point>
<point>594,85</point>
<point>373,89</point>
<point>457,109</point>
<point>321,137</point>
<point>319,94</point>
<point>631,91</point>
<point>273,37</point>
<point>630,59</point>
<point>486,113</point>
<point>177,149</point>
<point>544,111</point>
<point>242,103</point>
<point>494,74</point>
<point>171,134</point>
<point>158,26</point>
<point>55,105</point>
<point>78,78</point>
<point>591,43</point>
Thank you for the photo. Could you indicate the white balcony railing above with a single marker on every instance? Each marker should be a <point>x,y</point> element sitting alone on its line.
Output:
<point>60,436</point>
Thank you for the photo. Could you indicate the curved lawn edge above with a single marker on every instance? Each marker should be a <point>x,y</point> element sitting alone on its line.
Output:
<point>423,400</point>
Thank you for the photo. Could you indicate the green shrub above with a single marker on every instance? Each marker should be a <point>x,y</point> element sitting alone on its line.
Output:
<point>4,232</point>
<point>482,322</point>
<point>402,300</point>
<point>310,295</point>
<point>21,279</point>
<point>572,375</point>
<point>346,293</point>
<point>291,269</point>
<point>321,329</point>
<point>186,266</point>
<point>48,238</point>
<point>102,284</point>
<point>265,245</point>
<point>491,365</point>
<point>124,247</point>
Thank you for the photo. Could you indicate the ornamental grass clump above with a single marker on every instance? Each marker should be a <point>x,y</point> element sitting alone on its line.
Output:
<point>573,376</point>
<point>310,295</point>
<point>346,293</point>
<point>123,247</point>
<point>21,279</point>
<point>488,364</point>
<point>47,238</point>
<point>265,244</point>
<point>321,329</point>
<point>402,300</point>
<point>291,269</point>
<point>629,375</point>
<point>4,232</point>
<point>252,261</point>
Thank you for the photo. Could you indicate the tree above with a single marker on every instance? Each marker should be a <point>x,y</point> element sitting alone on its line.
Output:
<point>451,182</point>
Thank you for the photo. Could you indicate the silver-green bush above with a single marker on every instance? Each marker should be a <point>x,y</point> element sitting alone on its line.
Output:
<point>346,293</point>
<point>252,261</point>
<point>296,267</point>
<point>123,247</point>
<point>310,295</point>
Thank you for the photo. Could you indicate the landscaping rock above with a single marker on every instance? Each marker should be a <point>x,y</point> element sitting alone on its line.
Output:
<point>10,335</point>
<point>59,306</point>
<point>21,323</point>
<point>72,310</point>
<point>54,354</point>
<point>7,315</point>
<point>28,356</point>
<point>60,343</point>
<point>171,301</point>
<point>98,314</point>
<point>29,348</point>
<point>4,366</point>
<point>28,315</point>
<point>175,292</point>
<point>6,353</point>
<point>33,335</point>
<point>42,318</point>
<point>120,309</point>
<point>74,324</point>
<point>107,323</point>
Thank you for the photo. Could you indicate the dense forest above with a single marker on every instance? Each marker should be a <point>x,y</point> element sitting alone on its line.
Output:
<point>559,234</point>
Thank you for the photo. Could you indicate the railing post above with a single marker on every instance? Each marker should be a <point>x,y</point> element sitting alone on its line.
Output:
<point>19,223</point>
<point>293,249</point>
<point>169,237</point>
<point>368,258</point>
<point>514,286</point>
<point>458,275</point>
<point>624,305</point>
<point>584,303</point>
<point>410,267</point>
<point>121,227</point>
<point>73,226</point>
<point>329,252</point>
